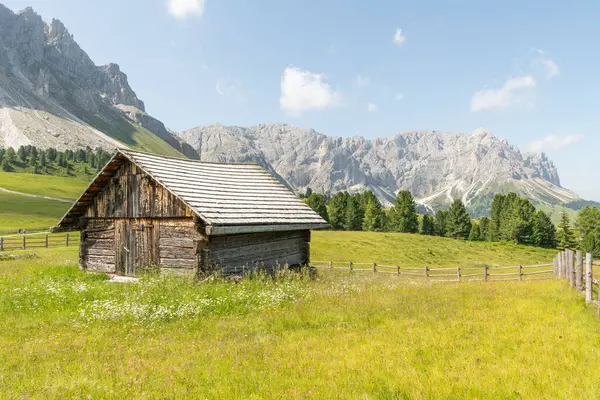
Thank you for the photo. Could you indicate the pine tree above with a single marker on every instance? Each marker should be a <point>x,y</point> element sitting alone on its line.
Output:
<point>354,214</point>
<point>458,223</point>
<point>10,155</point>
<point>318,203</point>
<point>544,231</point>
<point>22,154</point>
<point>475,234</point>
<point>441,219</point>
<point>565,237</point>
<point>373,220</point>
<point>495,219</point>
<point>484,226</point>
<point>427,225</point>
<point>336,209</point>
<point>591,244</point>
<point>403,216</point>
<point>6,165</point>
<point>588,221</point>
<point>42,158</point>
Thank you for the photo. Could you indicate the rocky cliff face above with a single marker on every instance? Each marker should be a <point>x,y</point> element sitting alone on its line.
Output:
<point>53,95</point>
<point>436,167</point>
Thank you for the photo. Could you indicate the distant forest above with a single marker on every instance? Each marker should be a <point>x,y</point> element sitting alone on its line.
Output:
<point>53,162</point>
<point>512,218</point>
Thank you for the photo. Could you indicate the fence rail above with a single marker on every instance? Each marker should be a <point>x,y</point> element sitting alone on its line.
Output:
<point>569,265</point>
<point>37,241</point>
<point>483,273</point>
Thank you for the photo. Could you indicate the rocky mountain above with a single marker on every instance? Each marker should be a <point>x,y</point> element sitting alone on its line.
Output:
<point>53,95</point>
<point>436,167</point>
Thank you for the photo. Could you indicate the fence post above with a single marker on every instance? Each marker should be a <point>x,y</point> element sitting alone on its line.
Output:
<point>588,278</point>
<point>458,273</point>
<point>330,264</point>
<point>555,266</point>
<point>572,267</point>
<point>350,265</point>
<point>426,272</point>
<point>374,268</point>
<point>485,272</point>
<point>1,244</point>
<point>67,240</point>
<point>560,265</point>
<point>579,271</point>
<point>398,268</point>
<point>520,272</point>
<point>46,240</point>
<point>24,242</point>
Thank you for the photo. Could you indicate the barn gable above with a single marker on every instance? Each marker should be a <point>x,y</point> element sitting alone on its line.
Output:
<point>227,198</point>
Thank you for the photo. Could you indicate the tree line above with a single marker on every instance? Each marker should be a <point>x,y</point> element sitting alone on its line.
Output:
<point>512,219</point>
<point>52,161</point>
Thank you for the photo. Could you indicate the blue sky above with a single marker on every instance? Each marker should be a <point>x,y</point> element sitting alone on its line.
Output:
<point>528,71</point>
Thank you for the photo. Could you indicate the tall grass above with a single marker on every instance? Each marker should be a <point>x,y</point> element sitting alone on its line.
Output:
<point>66,334</point>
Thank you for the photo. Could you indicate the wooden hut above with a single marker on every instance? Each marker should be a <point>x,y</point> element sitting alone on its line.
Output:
<point>144,210</point>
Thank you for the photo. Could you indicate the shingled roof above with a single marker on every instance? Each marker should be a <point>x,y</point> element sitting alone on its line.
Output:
<point>222,195</point>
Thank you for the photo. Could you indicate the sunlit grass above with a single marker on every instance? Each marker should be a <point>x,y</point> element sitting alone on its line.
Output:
<point>66,334</point>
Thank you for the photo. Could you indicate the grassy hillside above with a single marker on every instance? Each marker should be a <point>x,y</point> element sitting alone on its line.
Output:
<point>66,334</point>
<point>419,251</point>
<point>46,185</point>
<point>27,212</point>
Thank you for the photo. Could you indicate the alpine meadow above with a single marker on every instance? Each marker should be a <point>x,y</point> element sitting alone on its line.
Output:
<point>370,208</point>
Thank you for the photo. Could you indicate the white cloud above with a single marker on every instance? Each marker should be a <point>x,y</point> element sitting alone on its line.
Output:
<point>303,91</point>
<point>371,107</point>
<point>515,92</point>
<point>399,38</point>
<point>362,81</point>
<point>554,142</point>
<point>399,97</point>
<point>548,66</point>
<point>184,8</point>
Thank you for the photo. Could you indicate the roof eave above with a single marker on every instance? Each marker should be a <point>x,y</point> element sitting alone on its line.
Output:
<point>218,230</point>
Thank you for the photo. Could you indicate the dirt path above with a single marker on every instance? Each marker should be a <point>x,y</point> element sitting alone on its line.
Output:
<point>35,195</point>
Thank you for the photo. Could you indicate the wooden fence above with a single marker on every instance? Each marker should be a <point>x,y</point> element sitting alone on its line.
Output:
<point>569,264</point>
<point>457,274</point>
<point>37,241</point>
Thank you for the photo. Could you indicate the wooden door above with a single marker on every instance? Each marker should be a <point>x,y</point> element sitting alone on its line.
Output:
<point>137,245</point>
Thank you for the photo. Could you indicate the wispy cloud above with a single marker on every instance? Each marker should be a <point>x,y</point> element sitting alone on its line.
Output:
<point>361,81</point>
<point>554,142</point>
<point>515,92</point>
<point>547,65</point>
<point>371,107</point>
<point>399,97</point>
<point>184,8</point>
<point>399,38</point>
<point>230,88</point>
<point>303,90</point>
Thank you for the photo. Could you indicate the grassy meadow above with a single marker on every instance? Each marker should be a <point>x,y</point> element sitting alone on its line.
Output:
<point>66,334</point>
<point>68,188</point>
<point>18,211</point>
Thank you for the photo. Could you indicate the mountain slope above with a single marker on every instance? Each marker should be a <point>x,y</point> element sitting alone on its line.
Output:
<point>53,95</point>
<point>436,167</point>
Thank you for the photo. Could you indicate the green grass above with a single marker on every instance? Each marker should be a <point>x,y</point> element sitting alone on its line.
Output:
<point>66,334</point>
<point>18,211</point>
<point>419,251</point>
<point>46,185</point>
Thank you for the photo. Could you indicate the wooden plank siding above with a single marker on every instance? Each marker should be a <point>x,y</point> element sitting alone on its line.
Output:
<point>235,252</point>
<point>131,193</point>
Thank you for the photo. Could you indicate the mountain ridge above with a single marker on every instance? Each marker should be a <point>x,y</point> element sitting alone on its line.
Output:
<point>435,166</point>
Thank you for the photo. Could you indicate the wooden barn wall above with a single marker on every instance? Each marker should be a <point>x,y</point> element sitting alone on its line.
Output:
<point>234,252</point>
<point>97,246</point>
<point>131,193</point>
<point>179,246</point>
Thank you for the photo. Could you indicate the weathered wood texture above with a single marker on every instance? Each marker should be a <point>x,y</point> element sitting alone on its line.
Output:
<point>131,193</point>
<point>267,249</point>
<point>179,244</point>
<point>97,246</point>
